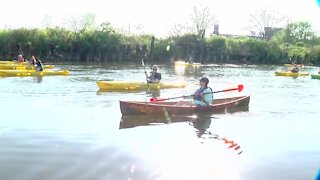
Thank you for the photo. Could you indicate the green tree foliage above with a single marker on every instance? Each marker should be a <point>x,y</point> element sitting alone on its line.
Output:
<point>299,31</point>
<point>217,43</point>
<point>6,44</point>
<point>314,55</point>
<point>104,43</point>
<point>163,49</point>
<point>216,48</point>
<point>60,41</point>
<point>257,51</point>
<point>188,47</point>
<point>298,53</point>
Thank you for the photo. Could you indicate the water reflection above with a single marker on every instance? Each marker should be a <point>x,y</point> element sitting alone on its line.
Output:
<point>201,123</point>
<point>153,92</point>
<point>38,79</point>
<point>150,92</point>
<point>150,120</point>
<point>188,70</point>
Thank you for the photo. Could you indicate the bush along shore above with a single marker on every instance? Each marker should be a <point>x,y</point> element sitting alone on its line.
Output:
<point>104,44</point>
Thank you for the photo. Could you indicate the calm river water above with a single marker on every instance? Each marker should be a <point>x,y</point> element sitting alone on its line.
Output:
<point>64,128</point>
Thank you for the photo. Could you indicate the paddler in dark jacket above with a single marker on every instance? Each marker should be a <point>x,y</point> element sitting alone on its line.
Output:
<point>154,77</point>
<point>295,69</point>
<point>39,66</point>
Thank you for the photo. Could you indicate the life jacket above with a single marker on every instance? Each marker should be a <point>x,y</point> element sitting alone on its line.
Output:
<point>154,76</point>
<point>197,94</point>
<point>39,65</point>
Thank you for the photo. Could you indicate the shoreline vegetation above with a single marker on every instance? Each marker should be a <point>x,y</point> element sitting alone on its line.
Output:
<point>295,43</point>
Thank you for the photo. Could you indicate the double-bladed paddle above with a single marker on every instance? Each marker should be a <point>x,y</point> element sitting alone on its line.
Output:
<point>239,88</point>
<point>145,72</point>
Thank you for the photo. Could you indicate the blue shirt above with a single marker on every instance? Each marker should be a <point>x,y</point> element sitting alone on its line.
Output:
<point>207,98</point>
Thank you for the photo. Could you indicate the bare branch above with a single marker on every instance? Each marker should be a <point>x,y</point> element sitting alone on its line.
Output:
<point>201,20</point>
<point>265,19</point>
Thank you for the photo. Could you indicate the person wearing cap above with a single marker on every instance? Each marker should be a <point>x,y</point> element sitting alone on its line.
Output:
<point>154,77</point>
<point>203,96</point>
<point>20,58</point>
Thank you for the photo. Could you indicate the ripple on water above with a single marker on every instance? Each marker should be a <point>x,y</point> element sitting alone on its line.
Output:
<point>65,128</point>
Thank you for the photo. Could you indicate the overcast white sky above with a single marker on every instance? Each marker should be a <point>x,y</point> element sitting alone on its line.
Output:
<point>155,16</point>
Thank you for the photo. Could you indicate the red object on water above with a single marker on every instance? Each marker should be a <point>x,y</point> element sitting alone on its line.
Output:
<point>240,87</point>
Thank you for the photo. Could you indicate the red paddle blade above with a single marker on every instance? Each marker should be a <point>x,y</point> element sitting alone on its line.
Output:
<point>153,99</point>
<point>156,99</point>
<point>240,87</point>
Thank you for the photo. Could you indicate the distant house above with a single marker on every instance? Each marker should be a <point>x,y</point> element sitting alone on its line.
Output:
<point>267,34</point>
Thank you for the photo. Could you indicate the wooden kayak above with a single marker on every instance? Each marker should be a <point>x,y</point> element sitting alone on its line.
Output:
<point>152,108</point>
<point>9,73</point>
<point>315,76</point>
<point>22,67</point>
<point>291,74</point>
<point>123,85</point>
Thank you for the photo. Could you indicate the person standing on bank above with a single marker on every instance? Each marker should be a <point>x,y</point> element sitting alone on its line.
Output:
<point>154,77</point>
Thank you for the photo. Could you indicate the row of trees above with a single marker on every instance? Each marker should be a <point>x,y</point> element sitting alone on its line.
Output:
<point>83,41</point>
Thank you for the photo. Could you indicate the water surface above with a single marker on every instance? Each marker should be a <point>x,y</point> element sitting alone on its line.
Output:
<point>64,128</point>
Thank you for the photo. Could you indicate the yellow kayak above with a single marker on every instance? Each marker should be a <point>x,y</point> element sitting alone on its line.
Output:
<point>8,73</point>
<point>22,66</point>
<point>292,65</point>
<point>123,85</point>
<point>182,63</point>
<point>13,62</point>
<point>291,74</point>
